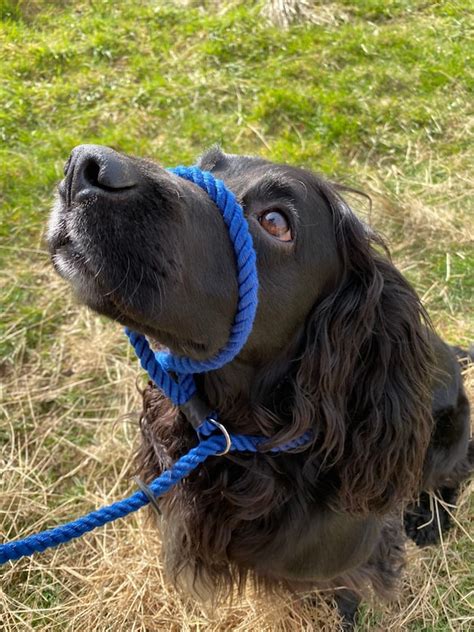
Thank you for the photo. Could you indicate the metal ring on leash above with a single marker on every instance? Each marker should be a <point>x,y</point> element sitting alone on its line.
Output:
<point>224,431</point>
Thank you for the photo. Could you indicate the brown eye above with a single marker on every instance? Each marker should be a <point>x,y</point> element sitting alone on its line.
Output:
<point>276,224</point>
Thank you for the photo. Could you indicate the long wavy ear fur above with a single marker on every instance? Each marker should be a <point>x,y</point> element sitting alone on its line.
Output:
<point>366,370</point>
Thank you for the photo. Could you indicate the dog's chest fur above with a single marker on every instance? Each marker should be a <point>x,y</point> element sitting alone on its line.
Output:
<point>262,515</point>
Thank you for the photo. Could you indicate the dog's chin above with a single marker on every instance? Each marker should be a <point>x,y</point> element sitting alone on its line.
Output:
<point>72,266</point>
<point>85,279</point>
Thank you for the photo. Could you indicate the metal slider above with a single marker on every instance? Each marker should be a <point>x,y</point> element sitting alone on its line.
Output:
<point>195,410</point>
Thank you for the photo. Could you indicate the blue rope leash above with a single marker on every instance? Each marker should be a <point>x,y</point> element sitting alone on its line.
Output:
<point>53,537</point>
<point>182,389</point>
<point>212,446</point>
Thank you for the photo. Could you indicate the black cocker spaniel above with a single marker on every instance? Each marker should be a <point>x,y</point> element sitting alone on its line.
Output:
<point>341,345</point>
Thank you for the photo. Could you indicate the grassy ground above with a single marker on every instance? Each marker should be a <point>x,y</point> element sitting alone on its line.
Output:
<point>373,93</point>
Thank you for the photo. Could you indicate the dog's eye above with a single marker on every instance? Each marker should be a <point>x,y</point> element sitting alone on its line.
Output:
<point>276,224</point>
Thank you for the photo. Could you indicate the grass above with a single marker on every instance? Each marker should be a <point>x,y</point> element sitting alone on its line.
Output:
<point>373,93</point>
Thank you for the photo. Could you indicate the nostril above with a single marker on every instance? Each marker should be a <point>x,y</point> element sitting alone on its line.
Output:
<point>94,168</point>
<point>115,172</point>
<point>91,173</point>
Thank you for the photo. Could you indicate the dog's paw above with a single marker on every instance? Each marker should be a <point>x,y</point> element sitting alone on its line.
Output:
<point>427,519</point>
<point>347,604</point>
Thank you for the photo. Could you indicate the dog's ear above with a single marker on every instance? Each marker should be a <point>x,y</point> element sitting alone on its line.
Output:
<point>366,370</point>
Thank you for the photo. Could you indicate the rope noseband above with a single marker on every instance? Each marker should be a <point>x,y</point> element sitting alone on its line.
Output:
<point>159,365</point>
<point>182,388</point>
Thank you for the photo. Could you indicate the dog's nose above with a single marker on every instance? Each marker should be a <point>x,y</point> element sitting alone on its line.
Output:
<point>95,168</point>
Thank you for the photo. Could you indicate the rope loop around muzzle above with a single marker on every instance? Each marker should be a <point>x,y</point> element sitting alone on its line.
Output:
<point>159,365</point>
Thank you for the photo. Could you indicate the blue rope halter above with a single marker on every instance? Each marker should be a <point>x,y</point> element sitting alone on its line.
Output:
<point>159,365</point>
<point>182,390</point>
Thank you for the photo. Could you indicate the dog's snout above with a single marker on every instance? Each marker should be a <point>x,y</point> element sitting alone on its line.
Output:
<point>94,169</point>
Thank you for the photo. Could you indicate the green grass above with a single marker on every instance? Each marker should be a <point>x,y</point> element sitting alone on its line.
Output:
<point>374,93</point>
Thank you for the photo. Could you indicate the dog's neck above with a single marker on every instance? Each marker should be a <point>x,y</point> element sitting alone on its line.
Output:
<point>241,388</point>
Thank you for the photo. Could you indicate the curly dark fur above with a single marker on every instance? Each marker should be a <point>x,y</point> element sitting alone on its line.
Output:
<point>371,435</point>
<point>341,345</point>
<point>362,380</point>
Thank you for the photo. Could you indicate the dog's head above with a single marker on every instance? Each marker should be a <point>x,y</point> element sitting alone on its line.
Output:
<point>149,249</point>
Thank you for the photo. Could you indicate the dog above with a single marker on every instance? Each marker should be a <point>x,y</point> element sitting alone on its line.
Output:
<point>341,345</point>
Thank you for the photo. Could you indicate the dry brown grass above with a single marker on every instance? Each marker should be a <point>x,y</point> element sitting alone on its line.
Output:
<point>283,13</point>
<point>84,386</point>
